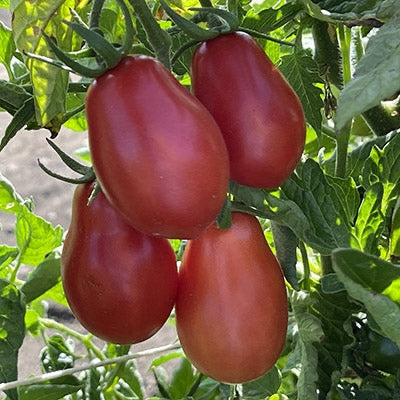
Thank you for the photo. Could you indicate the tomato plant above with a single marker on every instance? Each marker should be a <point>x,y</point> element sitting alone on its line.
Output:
<point>265,130</point>
<point>231,308</point>
<point>146,129</point>
<point>382,353</point>
<point>119,283</point>
<point>283,111</point>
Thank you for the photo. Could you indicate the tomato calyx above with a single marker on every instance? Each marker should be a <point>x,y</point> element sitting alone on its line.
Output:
<point>86,172</point>
<point>106,54</point>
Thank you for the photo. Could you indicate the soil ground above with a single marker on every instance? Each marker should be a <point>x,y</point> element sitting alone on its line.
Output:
<point>52,199</point>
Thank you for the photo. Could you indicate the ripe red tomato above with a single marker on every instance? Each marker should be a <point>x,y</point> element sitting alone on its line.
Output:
<point>120,284</point>
<point>231,307</point>
<point>259,114</point>
<point>157,152</point>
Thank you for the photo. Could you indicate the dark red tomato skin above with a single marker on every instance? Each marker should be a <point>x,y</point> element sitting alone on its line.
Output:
<point>259,114</point>
<point>231,308</point>
<point>157,152</point>
<point>120,284</point>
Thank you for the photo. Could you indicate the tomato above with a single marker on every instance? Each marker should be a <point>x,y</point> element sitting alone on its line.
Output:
<point>120,284</point>
<point>158,153</point>
<point>259,114</point>
<point>231,307</point>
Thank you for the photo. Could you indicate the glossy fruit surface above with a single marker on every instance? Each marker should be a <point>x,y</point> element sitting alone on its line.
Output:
<point>231,309</point>
<point>259,114</point>
<point>157,152</point>
<point>120,284</point>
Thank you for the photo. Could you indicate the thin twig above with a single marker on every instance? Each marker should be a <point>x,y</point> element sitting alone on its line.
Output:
<point>70,371</point>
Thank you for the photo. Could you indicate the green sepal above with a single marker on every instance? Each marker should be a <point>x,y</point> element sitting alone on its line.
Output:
<point>90,176</point>
<point>189,27</point>
<point>261,35</point>
<point>84,170</point>
<point>98,43</point>
<point>129,30</point>
<point>69,161</point>
<point>232,21</point>
<point>67,62</point>
<point>224,218</point>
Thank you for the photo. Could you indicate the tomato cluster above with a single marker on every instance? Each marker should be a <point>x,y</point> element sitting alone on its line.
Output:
<point>163,158</point>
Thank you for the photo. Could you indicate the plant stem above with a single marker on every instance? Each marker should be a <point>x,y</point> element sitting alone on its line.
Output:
<point>343,136</point>
<point>70,371</point>
<point>157,37</point>
<point>342,143</point>
<point>306,266</point>
<point>345,42</point>
<point>85,339</point>
<point>326,264</point>
<point>95,13</point>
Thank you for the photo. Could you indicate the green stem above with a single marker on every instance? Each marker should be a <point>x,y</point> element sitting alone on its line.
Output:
<point>345,44</point>
<point>342,143</point>
<point>157,37</point>
<point>95,13</point>
<point>85,339</point>
<point>343,136</point>
<point>326,264</point>
<point>306,266</point>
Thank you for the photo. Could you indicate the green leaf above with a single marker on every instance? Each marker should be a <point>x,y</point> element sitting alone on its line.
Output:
<point>50,390</point>
<point>22,117</point>
<point>270,19</point>
<point>263,387</point>
<point>357,157</point>
<point>377,75</point>
<point>49,83</point>
<point>370,221</point>
<point>315,11</point>
<point>395,231</point>
<point>156,362</point>
<point>7,45</point>
<point>10,200</point>
<point>349,10</point>
<point>347,198</point>
<point>35,237</point>
<point>46,275</point>
<point>383,166</point>
<point>310,332</point>
<point>182,379</point>
<point>386,9</point>
<point>330,284</point>
<point>12,332</point>
<point>7,255</point>
<point>5,4</point>
<point>285,242</point>
<point>373,282</point>
<point>58,353</point>
<point>132,377</point>
<point>12,96</point>
<point>301,71</point>
<point>308,205</point>
<point>335,310</point>
<point>321,205</point>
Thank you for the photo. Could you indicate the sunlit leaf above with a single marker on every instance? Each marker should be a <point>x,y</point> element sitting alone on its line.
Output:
<point>12,332</point>
<point>373,282</point>
<point>50,83</point>
<point>377,75</point>
<point>301,71</point>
